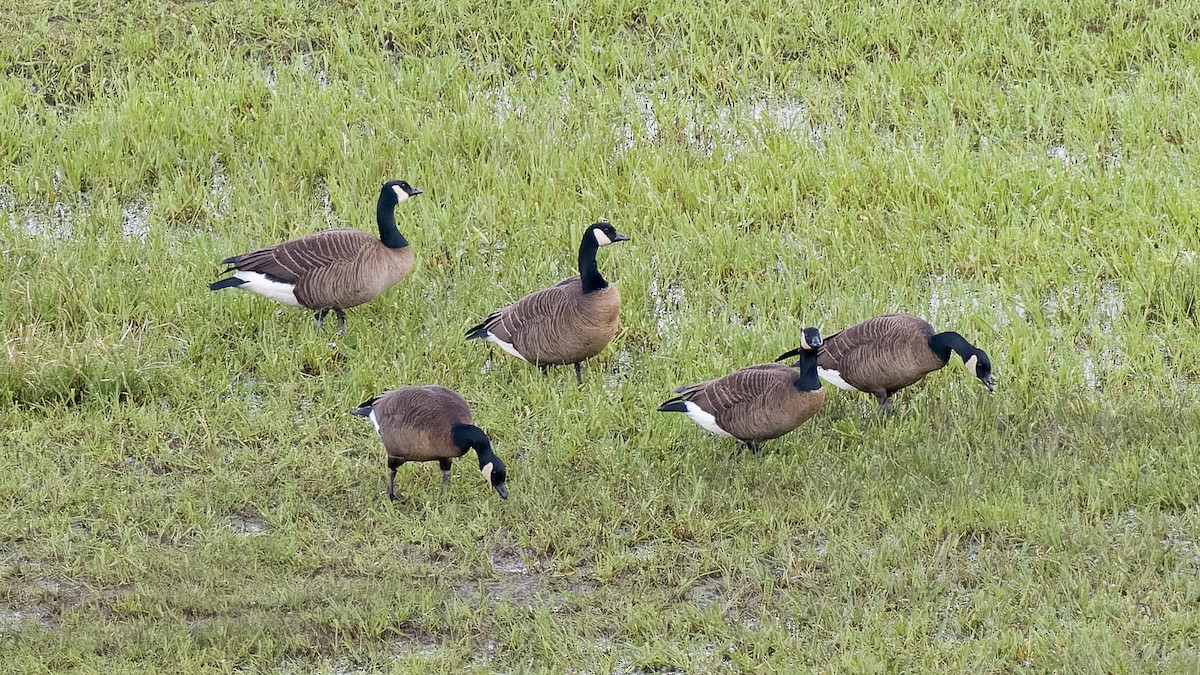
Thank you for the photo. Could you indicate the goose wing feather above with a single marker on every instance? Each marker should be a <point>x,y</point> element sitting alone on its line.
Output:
<point>881,352</point>
<point>292,260</point>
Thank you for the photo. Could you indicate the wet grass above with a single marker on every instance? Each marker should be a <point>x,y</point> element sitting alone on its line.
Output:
<point>187,491</point>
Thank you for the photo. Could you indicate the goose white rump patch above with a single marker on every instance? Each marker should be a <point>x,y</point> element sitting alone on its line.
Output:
<point>506,346</point>
<point>275,290</point>
<point>704,419</point>
<point>835,378</point>
<point>375,422</point>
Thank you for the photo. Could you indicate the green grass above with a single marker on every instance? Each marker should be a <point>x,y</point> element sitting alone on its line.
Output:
<point>185,489</point>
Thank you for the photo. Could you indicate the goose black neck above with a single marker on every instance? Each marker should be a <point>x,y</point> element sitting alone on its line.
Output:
<point>385,215</point>
<point>468,436</point>
<point>589,274</point>
<point>943,343</point>
<point>808,379</point>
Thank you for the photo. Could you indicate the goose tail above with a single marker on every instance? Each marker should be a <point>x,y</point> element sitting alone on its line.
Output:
<point>676,404</point>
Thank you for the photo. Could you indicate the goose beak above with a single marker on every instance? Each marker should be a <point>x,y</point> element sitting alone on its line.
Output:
<point>987,382</point>
<point>502,490</point>
<point>620,237</point>
<point>415,192</point>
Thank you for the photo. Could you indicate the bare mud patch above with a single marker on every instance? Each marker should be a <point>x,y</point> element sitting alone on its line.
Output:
<point>520,580</point>
<point>415,642</point>
<point>249,523</point>
<point>507,559</point>
<point>15,620</point>
<point>705,595</point>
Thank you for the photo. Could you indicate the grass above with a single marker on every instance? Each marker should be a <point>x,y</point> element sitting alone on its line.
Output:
<point>186,490</point>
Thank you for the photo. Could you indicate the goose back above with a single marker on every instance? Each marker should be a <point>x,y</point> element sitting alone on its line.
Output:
<point>561,324</point>
<point>757,403</point>
<point>884,353</point>
<point>332,269</point>
<point>416,423</point>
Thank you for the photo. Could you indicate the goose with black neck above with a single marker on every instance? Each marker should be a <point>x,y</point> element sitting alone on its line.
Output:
<point>428,423</point>
<point>757,403</point>
<point>567,323</point>
<point>331,270</point>
<point>887,353</point>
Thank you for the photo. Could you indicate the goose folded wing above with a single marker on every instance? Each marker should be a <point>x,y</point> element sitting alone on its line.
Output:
<point>535,316</point>
<point>864,342</point>
<point>420,415</point>
<point>739,388</point>
<point>291,260</point>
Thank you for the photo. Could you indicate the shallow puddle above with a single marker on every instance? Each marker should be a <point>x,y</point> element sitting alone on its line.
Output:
<point>135,220</point>
<point>669,301</point>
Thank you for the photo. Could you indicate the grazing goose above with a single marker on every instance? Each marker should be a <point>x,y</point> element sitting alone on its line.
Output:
<point>330,270</point>
<point>422,424</point>
<point>888,353</point>
<point>567,323</point>
<point>757,403</point>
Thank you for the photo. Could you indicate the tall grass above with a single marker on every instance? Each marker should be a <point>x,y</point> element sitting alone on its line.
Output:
<point>187,490</point>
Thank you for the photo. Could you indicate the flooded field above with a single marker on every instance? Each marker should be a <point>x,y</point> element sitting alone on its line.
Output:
<point>188,490</point>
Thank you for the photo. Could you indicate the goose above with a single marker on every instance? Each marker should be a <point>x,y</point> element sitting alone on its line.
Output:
<point>887,353</point>
<point>427,423</point>
<point>567,323</point>
<point>330,270</point>
<point>757,403</point>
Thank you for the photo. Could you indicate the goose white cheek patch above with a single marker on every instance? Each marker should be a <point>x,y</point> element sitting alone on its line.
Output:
<point>971,363</point>
<point>401,195</point>
<point>487,472</point>
<point>601,238</point>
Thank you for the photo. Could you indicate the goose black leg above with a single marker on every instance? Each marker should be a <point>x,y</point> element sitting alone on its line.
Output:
<point>579,373</point>
<point>320,317</point>
<point>754,447</point>
<point>393,464</point>
<point>884,397</point>
<point>341,320</point>
<point>445,464</point>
